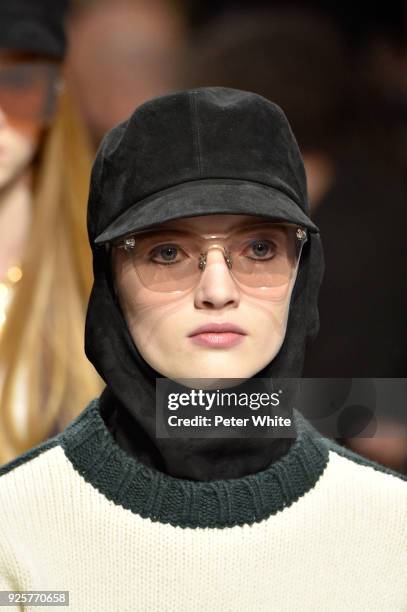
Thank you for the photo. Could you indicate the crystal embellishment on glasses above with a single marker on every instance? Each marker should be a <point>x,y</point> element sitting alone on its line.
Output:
<point>129,244</point>
<point>301,234</point>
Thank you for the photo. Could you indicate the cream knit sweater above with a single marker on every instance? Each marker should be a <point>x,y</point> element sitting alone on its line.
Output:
<point>320,530</point>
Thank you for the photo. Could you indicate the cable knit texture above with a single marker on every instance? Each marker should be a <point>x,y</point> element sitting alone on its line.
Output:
<point>319,529</point>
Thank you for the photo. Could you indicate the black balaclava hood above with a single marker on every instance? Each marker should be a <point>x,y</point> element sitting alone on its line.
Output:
<point>146,173</point>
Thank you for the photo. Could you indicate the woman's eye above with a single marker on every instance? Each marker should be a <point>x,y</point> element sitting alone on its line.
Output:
<point>165,254</point>
<point>261,249</point>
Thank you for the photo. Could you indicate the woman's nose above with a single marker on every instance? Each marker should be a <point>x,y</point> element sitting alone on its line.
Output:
<point>216,288</point>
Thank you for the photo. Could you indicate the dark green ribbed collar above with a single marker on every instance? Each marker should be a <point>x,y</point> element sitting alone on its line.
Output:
<point>94,453</point>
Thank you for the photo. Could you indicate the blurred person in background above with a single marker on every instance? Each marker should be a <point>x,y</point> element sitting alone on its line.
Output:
<point>301,60</point>
<point>44,258</point>
<point>369,199</point>
<point>122,53</point>
<point>294,57</point>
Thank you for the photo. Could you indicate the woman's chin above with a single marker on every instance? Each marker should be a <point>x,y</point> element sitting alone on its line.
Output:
<point>212,376</point>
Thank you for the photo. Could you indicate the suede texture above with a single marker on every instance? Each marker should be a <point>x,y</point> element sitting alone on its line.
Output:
<point>34,26</point>
<point>209,133</point>
<point>128,403</point>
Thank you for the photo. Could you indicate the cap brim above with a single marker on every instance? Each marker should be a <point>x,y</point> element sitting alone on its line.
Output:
<point>197,198</point>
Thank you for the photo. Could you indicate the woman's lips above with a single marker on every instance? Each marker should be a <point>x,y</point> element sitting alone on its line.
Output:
<point>218,334</point>
<point>217,339</point>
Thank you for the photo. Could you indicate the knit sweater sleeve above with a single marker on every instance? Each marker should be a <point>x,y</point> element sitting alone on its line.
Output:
<point>16,486</point>
<point>9,566</point>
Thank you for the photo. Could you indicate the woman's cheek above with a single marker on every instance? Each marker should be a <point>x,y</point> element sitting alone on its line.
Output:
<point>268,334</point>
<point>152,333</point>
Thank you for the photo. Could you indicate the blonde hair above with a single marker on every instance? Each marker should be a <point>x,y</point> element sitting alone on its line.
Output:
<point>42,338</point>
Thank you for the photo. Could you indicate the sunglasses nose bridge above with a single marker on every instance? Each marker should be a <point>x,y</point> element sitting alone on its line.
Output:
<point>204,256</point>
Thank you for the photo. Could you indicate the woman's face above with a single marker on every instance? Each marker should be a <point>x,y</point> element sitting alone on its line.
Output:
<point>161,323</point>
<point>19,133</point>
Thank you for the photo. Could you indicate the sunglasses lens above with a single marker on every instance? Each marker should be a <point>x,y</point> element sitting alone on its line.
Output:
<point>166,261</point>
<point>265,256</point>
<point>28,91</point>
<point>262,257</point>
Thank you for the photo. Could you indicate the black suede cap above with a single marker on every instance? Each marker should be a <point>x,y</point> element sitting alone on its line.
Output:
<point>33,26</point>
<point>211,150</point>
